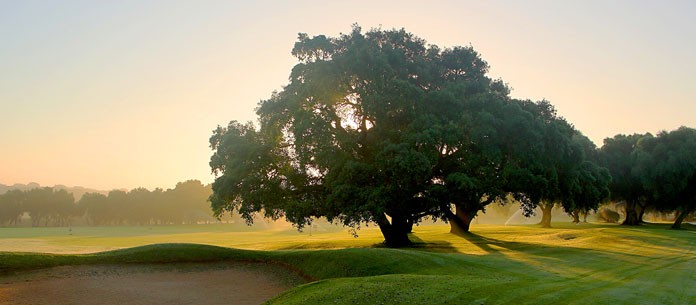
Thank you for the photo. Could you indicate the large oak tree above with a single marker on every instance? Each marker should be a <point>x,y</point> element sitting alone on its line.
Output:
<point>379,127</point>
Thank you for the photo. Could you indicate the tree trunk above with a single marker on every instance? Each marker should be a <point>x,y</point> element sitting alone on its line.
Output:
<point>631,214</point>
<point>409,226</point>
<point>584,216</point>
<point>460,223</point>
<point>641,212</point>
<point>546,208</point>
<point>680,218</point>
<point>395,233</point>
<point>576,217</point>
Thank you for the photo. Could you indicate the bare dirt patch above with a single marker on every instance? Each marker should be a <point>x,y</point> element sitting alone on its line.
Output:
<point>209,283</point>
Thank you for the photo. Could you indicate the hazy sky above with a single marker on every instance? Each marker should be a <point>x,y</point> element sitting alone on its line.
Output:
<point>120,94</point>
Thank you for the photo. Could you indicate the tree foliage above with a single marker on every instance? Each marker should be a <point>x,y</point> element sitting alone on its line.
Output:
<point>666,165</point>
<point>653,172</point>
<point>379,127</point>
<point>11,207</point>
<point>617,155</point>
<point>565,165</point>
<point>186,203</point>
<point>46,205</point>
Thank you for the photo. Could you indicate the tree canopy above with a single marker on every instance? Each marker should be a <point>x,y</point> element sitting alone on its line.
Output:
<point>653,172</point>
<point>617,155</point>
<point>186,203</point>
<point>666,165</point>
<point>379,127</point>
<point>575,181</point>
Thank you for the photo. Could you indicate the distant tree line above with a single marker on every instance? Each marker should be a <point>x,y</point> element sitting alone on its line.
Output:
<point>379,127</point>
<point>45,206</point>
<point>187,203</point>
<point>77,191</point>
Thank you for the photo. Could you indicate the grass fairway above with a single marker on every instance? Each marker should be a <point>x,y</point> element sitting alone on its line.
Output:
<point>569,264</point>
<point>99,239</point>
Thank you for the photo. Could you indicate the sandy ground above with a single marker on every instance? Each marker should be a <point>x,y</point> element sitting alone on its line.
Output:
<point>212,283</point>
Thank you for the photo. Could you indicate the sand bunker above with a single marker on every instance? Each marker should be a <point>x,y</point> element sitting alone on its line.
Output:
<point>210,283</point>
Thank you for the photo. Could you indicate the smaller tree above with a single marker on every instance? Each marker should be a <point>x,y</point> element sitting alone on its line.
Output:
<point>591,189</point>
<point>488,155</point>
<point>137,206</point>
<point>591,186</point>
<point>117,202</point>
<point>626,184</point>
<point>11,207</point>
<point>667,168</point>
<point>46,205</point>
<point>63,208</point>
<point>95,207</point>
<point>555,163</point>
<point>191,200</point>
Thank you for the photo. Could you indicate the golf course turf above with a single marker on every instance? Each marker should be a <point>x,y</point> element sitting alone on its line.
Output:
<point>567,264</point>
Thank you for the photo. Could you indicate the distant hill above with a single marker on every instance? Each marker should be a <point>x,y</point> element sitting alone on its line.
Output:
<point>77,191</point>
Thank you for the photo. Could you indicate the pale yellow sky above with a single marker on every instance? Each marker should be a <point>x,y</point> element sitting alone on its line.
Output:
<point>121,94</point>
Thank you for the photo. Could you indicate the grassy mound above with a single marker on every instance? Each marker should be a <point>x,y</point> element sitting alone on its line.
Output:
<point>588,264</point>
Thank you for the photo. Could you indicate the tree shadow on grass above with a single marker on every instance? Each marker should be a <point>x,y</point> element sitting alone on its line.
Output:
<point>439,246</point>
<point>492,245</point>
<point>561,259</point>
<point>487,244</point>
<point>533,250</point>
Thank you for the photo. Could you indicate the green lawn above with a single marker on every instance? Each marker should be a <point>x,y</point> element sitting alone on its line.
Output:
<point>568,264</point>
